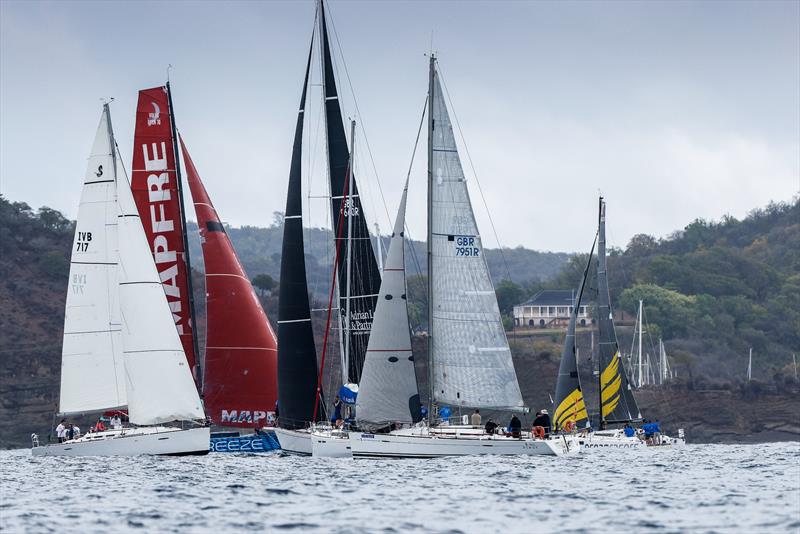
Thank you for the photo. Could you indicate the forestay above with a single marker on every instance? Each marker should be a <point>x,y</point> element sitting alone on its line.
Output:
<point>92,373</point>
<point>159,382</point>
<point>388,390</point>
<point>472,363</point>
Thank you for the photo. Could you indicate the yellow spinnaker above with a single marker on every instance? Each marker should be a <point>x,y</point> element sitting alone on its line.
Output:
<point>610,381</point>
<point>572,408</point>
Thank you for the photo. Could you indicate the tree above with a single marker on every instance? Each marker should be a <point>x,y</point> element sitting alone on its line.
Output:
<point>265,283</point>
<point>509,294</point>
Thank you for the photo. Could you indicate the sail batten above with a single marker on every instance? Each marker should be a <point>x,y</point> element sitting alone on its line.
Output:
<point>240,363</point>
<point>471,361</point>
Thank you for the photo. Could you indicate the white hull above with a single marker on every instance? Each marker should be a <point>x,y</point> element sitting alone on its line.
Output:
<point>422,444</point>
<point>133,441</point>
<point>616,439</point>
<point>327,444</point>
<point>294,441</point>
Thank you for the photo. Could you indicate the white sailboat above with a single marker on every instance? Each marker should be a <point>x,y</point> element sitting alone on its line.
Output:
<point>470,363</point>
<point>121,348</point>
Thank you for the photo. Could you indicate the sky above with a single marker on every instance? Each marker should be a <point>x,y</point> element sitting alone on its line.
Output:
<point>673,110</point>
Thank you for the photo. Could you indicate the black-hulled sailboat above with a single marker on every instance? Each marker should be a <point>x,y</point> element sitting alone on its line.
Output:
<point>616,403</point>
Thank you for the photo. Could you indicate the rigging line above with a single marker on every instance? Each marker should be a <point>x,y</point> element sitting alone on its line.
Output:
<point>361,118</point>
<point>475,174</point>
<point>414,256</point>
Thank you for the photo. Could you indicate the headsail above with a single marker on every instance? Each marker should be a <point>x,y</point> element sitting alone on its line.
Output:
<point>365,276</point>
<point>388,389</point>
<point>92,372</point>
<point>240,378</point>
<point>158,378</point>
<point>616,397</point>
<point>297,354</point>
<point>472,363</point>
<point>570,404</point>
<point>156,191</point>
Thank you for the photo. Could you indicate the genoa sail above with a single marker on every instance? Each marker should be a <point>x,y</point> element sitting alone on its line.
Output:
<point>159,382</point>
<point>297,354</point>
<point>617,403</point>
<point>154,181</point>
<point>471,360</point>
<point>240,363</point>
<point>388,389</point>
<point>365,278</point>
<point>570,404</point>
<point>92,372</point>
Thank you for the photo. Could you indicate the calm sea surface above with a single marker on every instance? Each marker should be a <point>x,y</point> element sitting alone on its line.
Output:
<point>714,488</point>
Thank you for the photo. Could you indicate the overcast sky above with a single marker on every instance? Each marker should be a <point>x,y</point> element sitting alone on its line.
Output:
<point>673,110</point>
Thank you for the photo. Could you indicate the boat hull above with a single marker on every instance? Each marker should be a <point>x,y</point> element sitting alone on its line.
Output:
<point>326,445</point>
<point>430,446</point>
<point>618,440</point>
<point>255,443</point>
<point>295,441</point>
<point>133,441</point>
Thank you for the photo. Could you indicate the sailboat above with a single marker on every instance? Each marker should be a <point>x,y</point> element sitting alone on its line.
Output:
<point>470,362</point>
<point>357,277</point>
<point>240,363</point>
<point>616,402</point>
<point>121,349</point>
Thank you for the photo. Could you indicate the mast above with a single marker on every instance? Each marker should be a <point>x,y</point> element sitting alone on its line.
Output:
<point>640,343</point>
<point>432,66</point>
<point>198,371</point>
<point>348,206</point>
<point>750,366</point>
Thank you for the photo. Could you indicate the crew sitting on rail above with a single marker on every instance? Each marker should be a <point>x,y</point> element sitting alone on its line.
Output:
<point>490,427</point>
<point>515,426</point>
<point>629,431</point>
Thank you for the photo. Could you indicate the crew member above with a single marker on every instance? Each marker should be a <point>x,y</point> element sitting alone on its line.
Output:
<point>337,411</point>
<point>61,431</point>
<point>543,420</point>
<point>515,426</point>
<point>475,420</point>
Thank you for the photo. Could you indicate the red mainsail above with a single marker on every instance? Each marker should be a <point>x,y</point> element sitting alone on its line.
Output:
<point>155,188</point>
<point>240,379</point>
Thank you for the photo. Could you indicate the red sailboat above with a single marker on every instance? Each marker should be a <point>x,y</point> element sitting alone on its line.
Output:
<point>240,379</point>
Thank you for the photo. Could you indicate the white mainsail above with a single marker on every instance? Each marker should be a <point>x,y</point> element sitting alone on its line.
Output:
<point>159,382</point>
<point>388,389</point>
<point>472,363</point>
<point>92,372</point>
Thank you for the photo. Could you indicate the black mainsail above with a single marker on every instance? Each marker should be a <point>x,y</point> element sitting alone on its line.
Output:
<point>297,354</point>
<point>364,278</point>
<point>617,404</point>
<point>569,404</point>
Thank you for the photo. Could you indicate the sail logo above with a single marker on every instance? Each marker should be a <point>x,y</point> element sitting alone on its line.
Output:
<point>166,257</point>
<point>361,322</point>
<point>243,416</point>
<point>154,117</point>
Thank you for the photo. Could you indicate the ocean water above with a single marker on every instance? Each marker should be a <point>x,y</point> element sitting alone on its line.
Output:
<point>700,488</point>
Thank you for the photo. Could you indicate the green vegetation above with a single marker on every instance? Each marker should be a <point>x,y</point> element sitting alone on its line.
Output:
<point>712,290</point>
